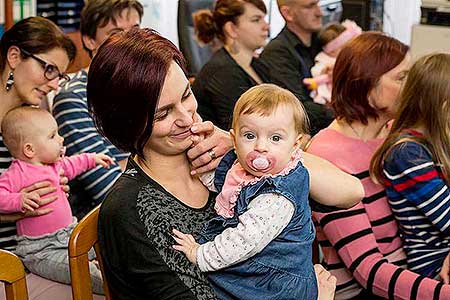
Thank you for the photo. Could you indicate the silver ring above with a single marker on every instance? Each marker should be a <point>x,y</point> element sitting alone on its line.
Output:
<point>212,154</point>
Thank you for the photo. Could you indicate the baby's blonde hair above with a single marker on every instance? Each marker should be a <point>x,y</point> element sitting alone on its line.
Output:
<point>18,125</point>
<point>264,99</point>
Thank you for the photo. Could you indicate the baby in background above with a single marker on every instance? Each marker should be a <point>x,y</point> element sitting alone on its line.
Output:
<point>332,38</point>
<point>31,136</point>
<point>259,245</point>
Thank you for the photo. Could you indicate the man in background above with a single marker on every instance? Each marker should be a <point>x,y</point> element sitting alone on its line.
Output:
<point>99,19</point>
<point>291,54</point>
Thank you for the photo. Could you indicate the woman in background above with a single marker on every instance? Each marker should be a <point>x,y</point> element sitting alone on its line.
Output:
<point>233,69</point>
<point>361,246</point>
<point>34,55</point>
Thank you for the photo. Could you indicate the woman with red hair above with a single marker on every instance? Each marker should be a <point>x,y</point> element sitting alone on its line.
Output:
<point>361,245</point>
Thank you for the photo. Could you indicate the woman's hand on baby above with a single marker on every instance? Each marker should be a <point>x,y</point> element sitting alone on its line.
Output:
<point>186,244</point>
<point>326,283</point>
<point>445,270</point>
<point>210,147</point>
<point>104,160</point>
<point>30,201</point>
<point>42,188</point>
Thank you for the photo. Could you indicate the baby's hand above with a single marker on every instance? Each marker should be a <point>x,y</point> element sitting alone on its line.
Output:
<point>326,283</point>
<point>187,245</point>
<point>30,201</point>
<point>103,160</point>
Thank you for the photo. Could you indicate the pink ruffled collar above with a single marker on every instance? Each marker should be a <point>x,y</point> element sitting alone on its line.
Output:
<point>237,178</point>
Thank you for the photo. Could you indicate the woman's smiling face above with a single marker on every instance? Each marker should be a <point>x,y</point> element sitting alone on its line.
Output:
<point>174,115</point>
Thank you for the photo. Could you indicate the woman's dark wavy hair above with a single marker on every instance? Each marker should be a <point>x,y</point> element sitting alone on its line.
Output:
<point>125,81</point>
<point>35,35</point>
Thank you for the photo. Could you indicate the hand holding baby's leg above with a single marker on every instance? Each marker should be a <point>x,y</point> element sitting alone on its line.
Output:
<point>186,244</point>
<point>326,283</point>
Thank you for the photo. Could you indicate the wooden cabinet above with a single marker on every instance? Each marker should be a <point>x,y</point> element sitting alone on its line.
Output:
<point>8,14</point>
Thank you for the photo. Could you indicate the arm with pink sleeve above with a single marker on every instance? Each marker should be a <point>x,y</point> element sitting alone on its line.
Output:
<point>350,233</point>
<point>10,196</point>
<point>77,164</point>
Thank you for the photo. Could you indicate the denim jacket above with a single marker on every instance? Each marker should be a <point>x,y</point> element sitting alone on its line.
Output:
<point>283,269</point>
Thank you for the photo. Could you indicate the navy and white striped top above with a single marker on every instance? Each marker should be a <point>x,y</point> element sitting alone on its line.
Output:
<point>419,198</point>
<point>80,136</point>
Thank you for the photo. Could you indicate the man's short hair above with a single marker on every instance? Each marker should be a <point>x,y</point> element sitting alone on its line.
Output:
<point>97,13</point>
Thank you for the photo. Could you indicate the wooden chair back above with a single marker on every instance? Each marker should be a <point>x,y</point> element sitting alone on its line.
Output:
<point>82,239</point>
<point>12,273</point>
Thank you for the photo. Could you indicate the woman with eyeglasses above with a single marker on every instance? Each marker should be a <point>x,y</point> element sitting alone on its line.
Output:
<point>34,55</point>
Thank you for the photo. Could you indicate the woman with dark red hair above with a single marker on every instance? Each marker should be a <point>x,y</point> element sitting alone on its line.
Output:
<point>361,245</point>
<point>142,102</point>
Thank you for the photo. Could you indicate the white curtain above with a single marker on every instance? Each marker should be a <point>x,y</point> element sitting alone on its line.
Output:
<point>162,16</point>
<point>399,16</point>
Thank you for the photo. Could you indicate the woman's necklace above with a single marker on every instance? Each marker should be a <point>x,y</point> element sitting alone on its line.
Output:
<point>360,136</point>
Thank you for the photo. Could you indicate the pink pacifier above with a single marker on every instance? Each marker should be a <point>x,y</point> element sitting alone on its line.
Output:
<point>260,162</point>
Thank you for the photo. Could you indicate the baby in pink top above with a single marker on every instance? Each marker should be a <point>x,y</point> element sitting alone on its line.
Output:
<point>31,135</point>
<point>332,38</point>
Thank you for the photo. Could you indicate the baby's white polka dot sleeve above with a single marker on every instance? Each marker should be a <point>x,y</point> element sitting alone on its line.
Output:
<point>265,219</point>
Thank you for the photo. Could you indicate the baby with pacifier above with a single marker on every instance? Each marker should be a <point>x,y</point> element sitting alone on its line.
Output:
<point>259,244</point>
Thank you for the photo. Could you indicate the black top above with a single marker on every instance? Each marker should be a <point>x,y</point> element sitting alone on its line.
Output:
<point>135,224</point>
<point>219,85</point>
<point>289,62</point>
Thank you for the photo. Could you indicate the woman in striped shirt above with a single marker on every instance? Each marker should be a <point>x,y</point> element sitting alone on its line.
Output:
<point>361,245</point>
<point>34,53</point>
<point>414,164</point>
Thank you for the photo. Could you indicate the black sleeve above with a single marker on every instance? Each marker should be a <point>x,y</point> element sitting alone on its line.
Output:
<point>284,69</point>
<point>285,72</point>
<point>220,93</point>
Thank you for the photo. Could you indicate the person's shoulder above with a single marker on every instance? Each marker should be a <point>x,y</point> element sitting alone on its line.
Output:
<point>220,60</point>
<point>410,152</point>
<point>76,87</point>
<point>276,43</point>
<point>326,137</point>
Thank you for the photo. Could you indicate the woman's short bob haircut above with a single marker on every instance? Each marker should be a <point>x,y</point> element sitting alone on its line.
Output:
<point>358,69</point>
<point>125,81</point>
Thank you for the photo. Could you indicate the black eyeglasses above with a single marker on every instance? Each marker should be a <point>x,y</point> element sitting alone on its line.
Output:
<point>50,71</point>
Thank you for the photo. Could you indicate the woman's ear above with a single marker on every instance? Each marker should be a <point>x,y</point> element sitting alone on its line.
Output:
<point>28,150</point>
<point>229,29</point>
<point>13,57</point>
